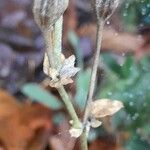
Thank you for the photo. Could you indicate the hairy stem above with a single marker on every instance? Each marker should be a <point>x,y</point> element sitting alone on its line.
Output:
<point>100,26</point>
<point>83,140</point>
<point>54,47</point>
<point>69,107</point>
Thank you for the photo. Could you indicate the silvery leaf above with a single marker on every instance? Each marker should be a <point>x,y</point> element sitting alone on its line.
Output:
<point>70,61</point>
<point>68,70</point>
<point>63,77</point>
<point>69,73</point>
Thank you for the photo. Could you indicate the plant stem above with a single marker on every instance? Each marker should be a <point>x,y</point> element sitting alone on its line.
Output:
<point>83,140</point>
<point>54,47</point>
<point>69,107</point>
<point>100,26</point>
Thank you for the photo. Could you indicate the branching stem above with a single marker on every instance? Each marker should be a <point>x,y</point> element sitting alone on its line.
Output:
<point>54,46</point>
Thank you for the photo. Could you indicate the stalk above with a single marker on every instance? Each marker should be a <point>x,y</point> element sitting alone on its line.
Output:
<point>100,26</point>
<point>83,138</point>
<point>54,48</point>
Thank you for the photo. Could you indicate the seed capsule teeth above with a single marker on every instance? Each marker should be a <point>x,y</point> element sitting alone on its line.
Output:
<point>47,12</point>
<point>104,8</point>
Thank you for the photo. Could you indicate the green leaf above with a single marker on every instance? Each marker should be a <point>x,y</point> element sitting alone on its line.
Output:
<point>36,93</point>
<point>58,118</point>
<point>146,129</point>
<point>74,41</point>
<point>127,67</point>
<point>134,91</point>
<point>136,143</point>
<point>111,62</point>
<point>82,84</point>
<point>122,71</point>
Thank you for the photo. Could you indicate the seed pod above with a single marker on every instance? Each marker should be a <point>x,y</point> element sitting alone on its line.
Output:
<point>47,12</point>
<point>104,8</point>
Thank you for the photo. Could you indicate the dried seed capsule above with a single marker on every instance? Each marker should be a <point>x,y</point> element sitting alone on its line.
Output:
<point>104,8</point>
<point>47,12</point>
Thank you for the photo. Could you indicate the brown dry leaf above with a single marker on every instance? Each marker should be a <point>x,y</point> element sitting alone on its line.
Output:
<point>105,107</point>
<point>56,143</point>
<point>62,140</point>
<point>23,126</point>
<point>105,143</point>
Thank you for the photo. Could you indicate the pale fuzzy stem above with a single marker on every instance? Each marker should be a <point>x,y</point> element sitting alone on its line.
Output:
<point>53,40</point>
<point>99,35</point>
<point>69,107</point>
<point>83,138</point>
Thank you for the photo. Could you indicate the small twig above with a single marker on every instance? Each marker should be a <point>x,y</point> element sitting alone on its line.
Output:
<point>83,138</point>
<point>100,26</point>
<point>103,10</point>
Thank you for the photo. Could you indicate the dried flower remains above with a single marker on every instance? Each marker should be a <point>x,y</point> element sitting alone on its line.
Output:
<point>104,8</point>
<point>63,76</point>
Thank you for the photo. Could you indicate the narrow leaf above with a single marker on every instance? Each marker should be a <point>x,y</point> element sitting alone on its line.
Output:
<point>37,93</point>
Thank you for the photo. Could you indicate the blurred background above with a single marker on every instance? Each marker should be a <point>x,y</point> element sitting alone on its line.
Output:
<point>123,74</point>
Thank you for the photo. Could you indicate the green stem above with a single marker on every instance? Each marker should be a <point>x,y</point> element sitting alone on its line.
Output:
<point>53,39</point>
<point>83,140</point>
<point>57,55</point>
<point>69,107</point>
